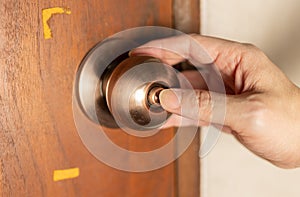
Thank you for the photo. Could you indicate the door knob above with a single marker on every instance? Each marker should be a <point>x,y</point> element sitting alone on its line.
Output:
<point>132,89</point>
<point>126,94</point>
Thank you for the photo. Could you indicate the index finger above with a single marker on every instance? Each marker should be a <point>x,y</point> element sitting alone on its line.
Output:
<point>218,59</point>
<point>174,49</point>
<point>195,48</point>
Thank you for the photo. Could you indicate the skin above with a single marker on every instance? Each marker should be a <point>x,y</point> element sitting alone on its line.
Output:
<point>262,104</point>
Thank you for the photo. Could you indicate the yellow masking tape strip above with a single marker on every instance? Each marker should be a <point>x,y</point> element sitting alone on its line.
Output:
<point>65,174</point>
<point>47,14</point>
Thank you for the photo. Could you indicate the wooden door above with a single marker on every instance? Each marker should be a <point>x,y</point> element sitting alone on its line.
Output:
<point>37,131</point>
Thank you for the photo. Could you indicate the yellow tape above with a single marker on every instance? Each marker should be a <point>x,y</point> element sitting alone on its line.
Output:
<point>59,175</point>
<point>47,14</point>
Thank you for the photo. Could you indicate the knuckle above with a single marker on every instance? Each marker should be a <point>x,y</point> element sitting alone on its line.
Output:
<point>253,49</point>
<point>203,99</point>
<point>204,104</point>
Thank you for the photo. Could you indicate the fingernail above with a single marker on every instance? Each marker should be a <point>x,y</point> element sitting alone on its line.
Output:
<point>170,99</point>
<point>133,52</point>
<point>136,52</point>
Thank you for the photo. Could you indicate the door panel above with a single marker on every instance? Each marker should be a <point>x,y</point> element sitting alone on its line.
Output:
<point>37,133</point>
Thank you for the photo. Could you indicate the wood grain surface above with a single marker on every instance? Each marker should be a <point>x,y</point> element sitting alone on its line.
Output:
<point>37,131</point>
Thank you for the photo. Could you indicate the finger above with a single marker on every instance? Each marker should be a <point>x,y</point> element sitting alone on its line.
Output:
<point>175,49</point>
<point>195,78</point>
<point>199,50</point>
<point>164,55</point>
<point>203,105</point>
<point>179,121</point>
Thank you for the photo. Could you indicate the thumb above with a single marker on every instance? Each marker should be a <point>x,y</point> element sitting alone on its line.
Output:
<point>202,105</point>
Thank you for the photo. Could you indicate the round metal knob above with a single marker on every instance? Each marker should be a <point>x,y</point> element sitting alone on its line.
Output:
<point>132,92</point>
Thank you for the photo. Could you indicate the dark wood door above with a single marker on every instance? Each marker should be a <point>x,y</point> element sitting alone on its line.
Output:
<point>37,131</point>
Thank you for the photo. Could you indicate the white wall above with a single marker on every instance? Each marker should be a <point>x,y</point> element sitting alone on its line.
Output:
<point>274,26</point>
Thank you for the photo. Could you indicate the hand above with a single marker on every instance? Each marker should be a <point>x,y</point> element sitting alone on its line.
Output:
<point>262,104</point>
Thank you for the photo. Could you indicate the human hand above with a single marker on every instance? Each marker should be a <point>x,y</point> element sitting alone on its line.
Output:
<point>262,104</point>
